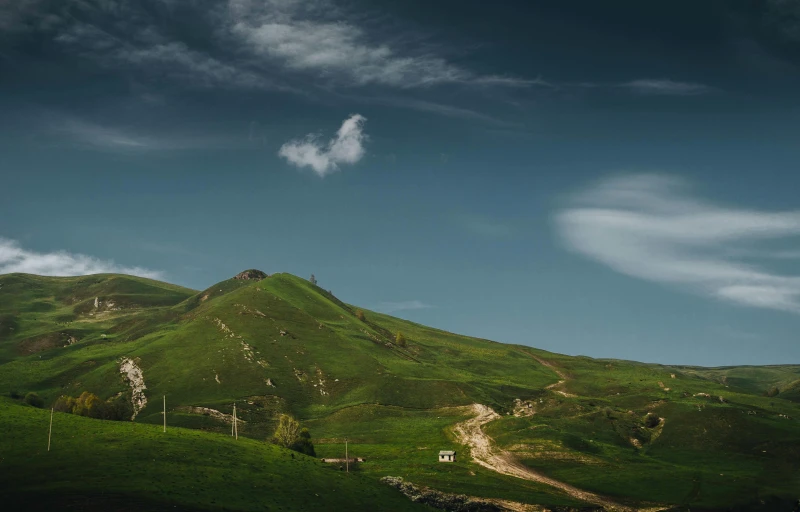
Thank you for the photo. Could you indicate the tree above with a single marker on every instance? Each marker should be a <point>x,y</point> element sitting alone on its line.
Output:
<point>34,399</point>
<point>287,432</point>
<point>290,435</point>
<point>400,339</point>
<point>313,280</point>
<point>64,404</point>
<point>303,443</point>
<point>360,315</point>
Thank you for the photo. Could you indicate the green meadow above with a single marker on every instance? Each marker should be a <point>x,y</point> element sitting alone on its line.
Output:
<point>640,434</point>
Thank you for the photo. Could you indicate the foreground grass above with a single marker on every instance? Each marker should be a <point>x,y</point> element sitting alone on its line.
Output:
<point>102,464</point>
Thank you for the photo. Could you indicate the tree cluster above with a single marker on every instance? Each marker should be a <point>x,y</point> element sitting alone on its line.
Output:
<point>92,406</point>
<point>291,436</point>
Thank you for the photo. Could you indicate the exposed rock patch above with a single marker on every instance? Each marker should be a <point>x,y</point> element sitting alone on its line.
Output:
<point>135,379</point>
<point>251,275</point>
<point>217,415</point>
<point>440,500</point>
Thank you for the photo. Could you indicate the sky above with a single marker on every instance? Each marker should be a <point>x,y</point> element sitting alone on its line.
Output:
<point>611,179</point>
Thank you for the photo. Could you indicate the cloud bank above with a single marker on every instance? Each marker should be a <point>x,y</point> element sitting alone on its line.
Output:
<point>346,148</point>
<point>649,227</point>
<point>14,258</point>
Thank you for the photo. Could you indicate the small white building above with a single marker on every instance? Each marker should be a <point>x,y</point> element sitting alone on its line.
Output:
<point>447,456</point>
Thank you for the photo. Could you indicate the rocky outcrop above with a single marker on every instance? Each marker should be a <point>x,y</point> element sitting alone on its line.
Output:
<point>135,379</point>
<point>440,500</point>
<point>251,275</point>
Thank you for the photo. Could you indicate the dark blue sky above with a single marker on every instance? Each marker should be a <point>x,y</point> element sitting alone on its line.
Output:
<point>614,179</point>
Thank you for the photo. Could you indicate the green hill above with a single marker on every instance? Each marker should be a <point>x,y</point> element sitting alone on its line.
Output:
<point>630,433</point>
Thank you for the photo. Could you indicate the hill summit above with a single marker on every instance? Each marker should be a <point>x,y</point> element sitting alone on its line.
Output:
<point>251,275</point>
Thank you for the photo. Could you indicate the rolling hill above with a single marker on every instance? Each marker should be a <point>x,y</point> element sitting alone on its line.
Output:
<point>556,430</point>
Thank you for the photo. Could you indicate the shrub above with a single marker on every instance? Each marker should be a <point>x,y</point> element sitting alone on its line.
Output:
<point>773,391</point>
<point>360,315</point>
<point>400,339</point>
<point>64,404</point>
<point>34,400</point>
<point>303,443</point>
<point>651,420</point>
<point>16,395</point>
<point>289,435</point>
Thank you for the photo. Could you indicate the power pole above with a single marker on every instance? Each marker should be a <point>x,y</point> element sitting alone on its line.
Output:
<point>50,434</point>
<point>346,459</point>
<point>165,413</point>
<point>235,426</point>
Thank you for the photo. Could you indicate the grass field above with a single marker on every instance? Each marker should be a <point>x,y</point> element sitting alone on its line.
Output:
<point>282,344</point>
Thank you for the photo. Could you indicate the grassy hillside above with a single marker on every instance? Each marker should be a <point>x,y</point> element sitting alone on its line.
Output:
<point>110,465</point>
<point>679,436</point>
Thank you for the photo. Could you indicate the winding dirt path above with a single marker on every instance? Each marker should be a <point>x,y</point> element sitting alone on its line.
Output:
<point>484,453</point>
<point>561,375</point>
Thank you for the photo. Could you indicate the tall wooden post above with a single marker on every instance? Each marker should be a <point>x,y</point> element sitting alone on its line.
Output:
<point>50,434</point>
<point>235,423</point>
<point>346,459</point>
<point>233,419</point>
<point>165,413</point>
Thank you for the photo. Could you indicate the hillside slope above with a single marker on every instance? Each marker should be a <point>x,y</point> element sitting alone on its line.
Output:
<point>633,432</point>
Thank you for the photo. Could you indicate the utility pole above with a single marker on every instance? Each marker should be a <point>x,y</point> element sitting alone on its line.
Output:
<point>235,426</point>
<point>165,413</point>
<point>50,434</point>
<point>346,459</point>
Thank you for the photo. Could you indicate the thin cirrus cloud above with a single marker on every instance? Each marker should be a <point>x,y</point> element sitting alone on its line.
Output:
<point>649,227</point>
<point>14,258</point>
<point>665,87</point>
<point>87,134</point>
<point>408,305</point>
<point>347,147</point>
<point>294,35</point>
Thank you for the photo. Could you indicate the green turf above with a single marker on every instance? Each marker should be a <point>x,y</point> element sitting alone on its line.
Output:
<point>346,377</point>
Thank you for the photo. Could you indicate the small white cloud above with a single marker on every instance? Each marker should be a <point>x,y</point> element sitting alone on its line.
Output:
<point>14,258</point>
<point>391,307</point>
<point>647,226</point>
<point>346,148</point>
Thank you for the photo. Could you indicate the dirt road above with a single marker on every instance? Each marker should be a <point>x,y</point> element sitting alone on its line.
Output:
<point>470,433</point>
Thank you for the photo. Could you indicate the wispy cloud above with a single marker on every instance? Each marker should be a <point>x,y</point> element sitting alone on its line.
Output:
<point>14,258</point>
<point>665,87</point>
<point>346,148</point>
<point>391,307</point>
<point>341,50</point>
<point>649,227</point>
<point>142,47</point>
<point>99,136</point>
<point>88,134</point>
<point>650,87</point>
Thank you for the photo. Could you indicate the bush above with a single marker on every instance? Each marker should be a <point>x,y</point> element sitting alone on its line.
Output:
<point>16,395</point>
<point>651,420</point>
<point>34,400</point>
<point>289,435</point>
<point>400,339</point>
<point>360,315</point>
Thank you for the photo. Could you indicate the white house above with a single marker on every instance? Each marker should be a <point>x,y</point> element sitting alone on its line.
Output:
<point>447,456</point>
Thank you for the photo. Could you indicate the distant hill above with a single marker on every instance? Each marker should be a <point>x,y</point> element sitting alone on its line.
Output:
<point>638,435</point>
